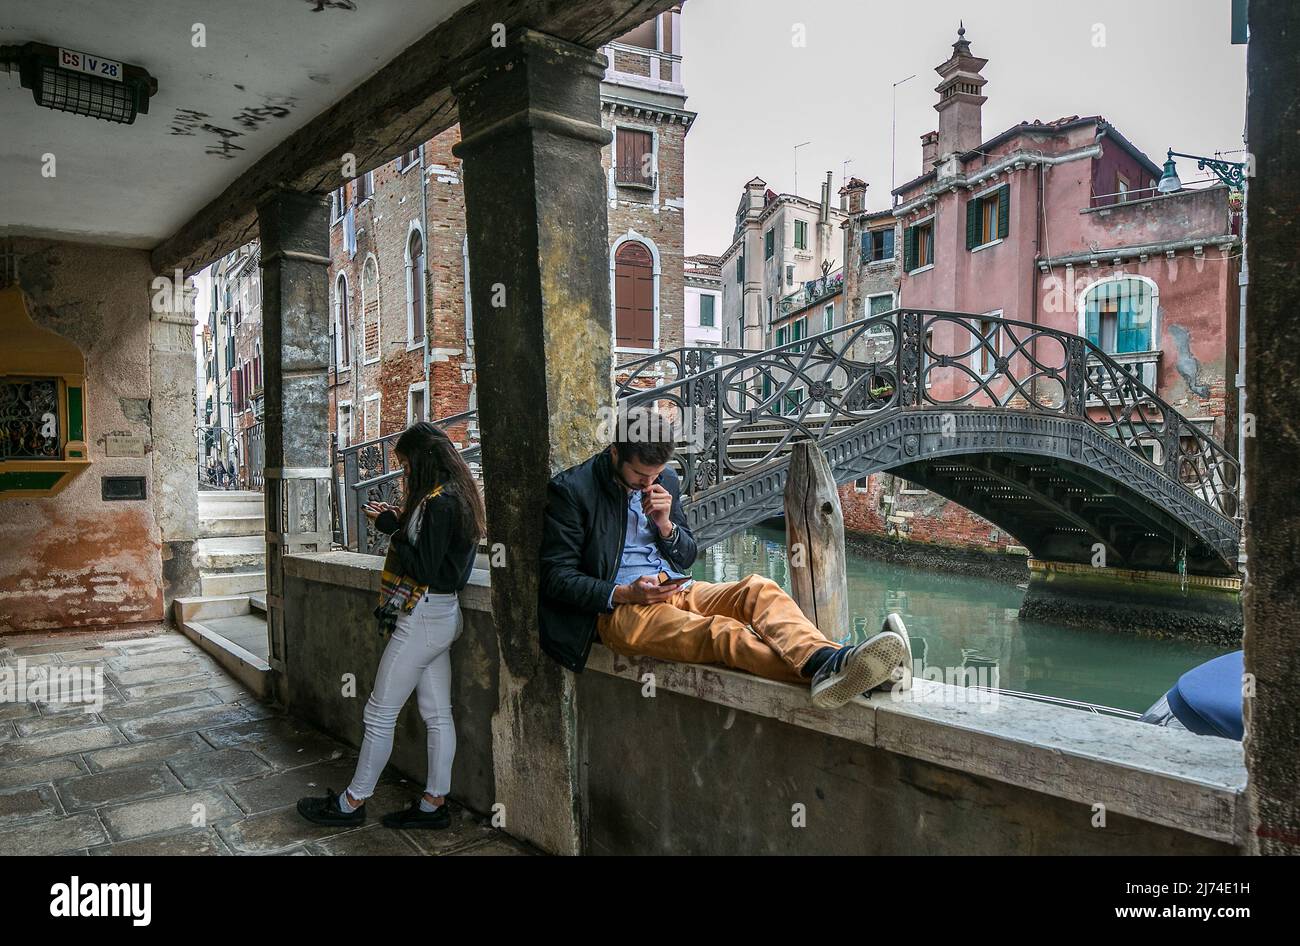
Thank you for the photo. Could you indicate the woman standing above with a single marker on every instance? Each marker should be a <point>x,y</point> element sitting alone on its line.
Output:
<point>434,538</point>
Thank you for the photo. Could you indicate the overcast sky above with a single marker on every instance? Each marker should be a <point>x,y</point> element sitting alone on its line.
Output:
<point>1166,76</point>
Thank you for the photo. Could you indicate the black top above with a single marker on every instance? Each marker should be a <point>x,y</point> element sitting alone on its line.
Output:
<point>443,555</point>
<point>582,544</point>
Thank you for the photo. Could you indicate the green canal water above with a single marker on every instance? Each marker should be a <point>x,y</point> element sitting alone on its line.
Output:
<point>958,621</point>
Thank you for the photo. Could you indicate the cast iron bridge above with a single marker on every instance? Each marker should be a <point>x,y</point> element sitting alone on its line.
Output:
<point>1039,431</point>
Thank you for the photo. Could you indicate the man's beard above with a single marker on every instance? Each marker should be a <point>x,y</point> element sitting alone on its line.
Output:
<point>618,478</point>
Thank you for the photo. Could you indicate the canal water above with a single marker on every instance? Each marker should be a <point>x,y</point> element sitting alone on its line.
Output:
<point>958,621</point>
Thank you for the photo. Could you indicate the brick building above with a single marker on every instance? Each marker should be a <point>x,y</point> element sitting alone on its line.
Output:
<point>401,319</point>
<point>230,409</point>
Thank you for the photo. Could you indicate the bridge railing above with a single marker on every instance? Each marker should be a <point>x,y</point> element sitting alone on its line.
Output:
<point>741,409</point>
<point>745,412</point>
<point>369,471</point>
<point>664,367</point>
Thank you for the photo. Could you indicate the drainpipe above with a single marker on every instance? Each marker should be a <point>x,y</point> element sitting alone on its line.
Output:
<point>1243,280</point>
<point>1038,254</point>
<point>424,226</point>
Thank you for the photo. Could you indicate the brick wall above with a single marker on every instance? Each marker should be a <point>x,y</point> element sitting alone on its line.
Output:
<point>884,509</point>
<point>656,216</point>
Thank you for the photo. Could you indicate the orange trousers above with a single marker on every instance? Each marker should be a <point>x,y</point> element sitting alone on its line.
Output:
<point>750,625</point>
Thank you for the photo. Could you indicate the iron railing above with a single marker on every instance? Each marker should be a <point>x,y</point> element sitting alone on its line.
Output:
<point>369,471</point>
<point>741,410</point>
<point>907,359</point>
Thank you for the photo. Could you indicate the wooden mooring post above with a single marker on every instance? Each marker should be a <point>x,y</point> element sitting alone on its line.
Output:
<point>814,534</point>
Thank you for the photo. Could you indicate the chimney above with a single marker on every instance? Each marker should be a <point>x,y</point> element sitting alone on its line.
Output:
<point>825,215</point>
<point>929,150</point>
<point>855,193</point>
<point>960,99</point>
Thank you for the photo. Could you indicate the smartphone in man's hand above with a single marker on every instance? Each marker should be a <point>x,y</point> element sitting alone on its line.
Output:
<point>667,582</point>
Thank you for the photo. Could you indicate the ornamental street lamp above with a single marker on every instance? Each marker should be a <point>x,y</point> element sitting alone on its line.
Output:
<point>1231,173</point>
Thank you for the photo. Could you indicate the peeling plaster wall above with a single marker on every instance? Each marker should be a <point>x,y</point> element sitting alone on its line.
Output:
<point>73,560</point>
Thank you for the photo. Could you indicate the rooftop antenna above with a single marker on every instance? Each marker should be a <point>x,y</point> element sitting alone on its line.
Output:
<point>893,135</point>
<point>796,166</point>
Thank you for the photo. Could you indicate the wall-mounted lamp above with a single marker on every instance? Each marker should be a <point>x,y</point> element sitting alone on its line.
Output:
<point>1229,172</point>
<point>67,80</point>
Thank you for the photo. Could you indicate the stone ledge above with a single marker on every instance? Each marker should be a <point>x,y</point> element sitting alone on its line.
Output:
<point>1164,776</point>
<point>362,572</point>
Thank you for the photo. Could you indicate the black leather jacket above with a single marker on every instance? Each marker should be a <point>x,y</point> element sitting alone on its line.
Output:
<point>582,544</point>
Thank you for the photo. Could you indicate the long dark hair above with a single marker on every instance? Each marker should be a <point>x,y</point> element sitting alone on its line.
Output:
<point>434,461</point>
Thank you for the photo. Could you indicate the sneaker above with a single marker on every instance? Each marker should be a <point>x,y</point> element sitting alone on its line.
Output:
<point>854,670</point>
<point>326,811</point>
<point>415,817</point>
<point>900,678</point>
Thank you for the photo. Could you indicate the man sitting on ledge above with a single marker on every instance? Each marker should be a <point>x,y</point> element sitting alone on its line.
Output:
<point>614,559</point>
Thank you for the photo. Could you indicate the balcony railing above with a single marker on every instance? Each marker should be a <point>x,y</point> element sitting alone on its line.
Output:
<point>646,68</point>
<point>633,177</point>
<point>1106,387</point>
<point>812,292</point>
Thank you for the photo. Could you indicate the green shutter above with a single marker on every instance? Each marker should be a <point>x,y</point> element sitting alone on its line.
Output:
<point>1004,210</point>
<point>909,249</point>
<point>973,214</point>
<point>75,429</point>
<point>740,268</point>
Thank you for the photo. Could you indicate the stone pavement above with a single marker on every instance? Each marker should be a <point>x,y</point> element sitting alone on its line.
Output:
<point>182,759</point>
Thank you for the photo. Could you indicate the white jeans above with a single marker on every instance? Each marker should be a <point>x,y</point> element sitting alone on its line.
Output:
<point>418,657</point>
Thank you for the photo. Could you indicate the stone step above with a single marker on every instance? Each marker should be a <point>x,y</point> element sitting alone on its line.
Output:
<point>233,553</point>
<point>232,583</point>
<point>241,500</point>
<point>229,525</point>
<point>224,509</point>
<point>208,607</point>
<point>239,644</point>
<point>258,601</point>
<point>231,502</point>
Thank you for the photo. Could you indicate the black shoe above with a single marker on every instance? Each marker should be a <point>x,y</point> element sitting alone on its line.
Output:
<point>854,670</point>
<point>414,817</point>
<point>326,811</point>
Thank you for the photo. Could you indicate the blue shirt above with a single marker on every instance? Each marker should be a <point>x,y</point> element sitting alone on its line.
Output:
<point>641,555</point>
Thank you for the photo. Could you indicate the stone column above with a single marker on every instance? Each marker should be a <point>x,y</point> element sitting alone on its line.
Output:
<point>294,233</point>
<point>172,409</point>
<point>539,285</point>
<point>1272,595</point>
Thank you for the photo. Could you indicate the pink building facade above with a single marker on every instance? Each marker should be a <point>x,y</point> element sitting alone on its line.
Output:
<point>1059,225</point>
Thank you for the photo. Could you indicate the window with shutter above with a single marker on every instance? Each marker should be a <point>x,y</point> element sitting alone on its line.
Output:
<point>634,322</point>
<point>634,160</point>
<point>923,245</point>
<point>909,249</point>
<point>988,217</point>
<point>769,244</point>
<point>801,234</point>
<point>415,288</point>
<point>974,215</point>
<point>706,311</point>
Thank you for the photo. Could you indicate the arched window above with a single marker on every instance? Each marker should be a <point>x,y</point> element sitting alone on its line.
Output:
<point>342,334</point>
<point>415,288</point>
<point>1118,315</point>
<point>370,310</point>
<point>634,296</point>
